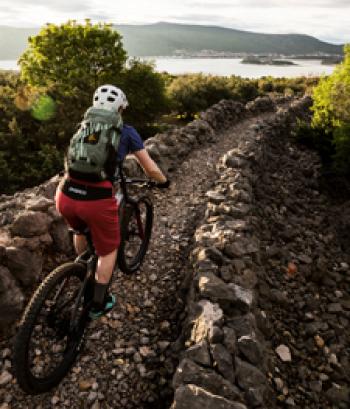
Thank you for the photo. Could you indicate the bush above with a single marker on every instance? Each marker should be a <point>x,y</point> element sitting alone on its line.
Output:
<point>316,138</point>
<point>145,90</point>
<point>193,93</point>
<point>287,86</point>
<point>331,107</point>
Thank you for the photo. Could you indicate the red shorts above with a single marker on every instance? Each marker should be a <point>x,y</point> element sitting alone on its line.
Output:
<point>101,216</point>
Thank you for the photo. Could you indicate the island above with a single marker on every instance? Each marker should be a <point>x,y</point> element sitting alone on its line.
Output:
<point>265,61</point>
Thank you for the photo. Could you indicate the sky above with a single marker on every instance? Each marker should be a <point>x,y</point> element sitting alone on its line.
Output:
<point>328,20</point>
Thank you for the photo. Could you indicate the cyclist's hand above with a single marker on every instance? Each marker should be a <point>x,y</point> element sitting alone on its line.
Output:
<point>151,184</point>
<point>164,185</point>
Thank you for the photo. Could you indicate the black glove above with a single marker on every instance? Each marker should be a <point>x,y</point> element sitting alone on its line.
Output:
<point>163,185</point>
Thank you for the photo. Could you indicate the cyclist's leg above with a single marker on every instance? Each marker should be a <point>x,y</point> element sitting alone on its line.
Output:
<point>103,275</point>
<point>102,218</point>
<point>105,266</point>
<point>80,243</point>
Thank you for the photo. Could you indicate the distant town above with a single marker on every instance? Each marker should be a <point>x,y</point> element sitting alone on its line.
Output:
<point>266,59</point>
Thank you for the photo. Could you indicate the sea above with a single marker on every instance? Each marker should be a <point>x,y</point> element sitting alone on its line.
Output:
<point>225,67</point>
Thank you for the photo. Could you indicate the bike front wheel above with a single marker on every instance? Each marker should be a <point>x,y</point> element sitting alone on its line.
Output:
<point>136,220</point>
<point>51,330</point>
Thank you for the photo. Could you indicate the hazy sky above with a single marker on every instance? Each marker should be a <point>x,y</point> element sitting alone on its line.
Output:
<point>325,19</point>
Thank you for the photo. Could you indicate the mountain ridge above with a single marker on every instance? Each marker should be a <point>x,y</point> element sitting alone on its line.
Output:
<point>169,39</point>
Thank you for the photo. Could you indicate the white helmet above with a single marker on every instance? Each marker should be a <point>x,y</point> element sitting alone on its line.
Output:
<point>109,97</point>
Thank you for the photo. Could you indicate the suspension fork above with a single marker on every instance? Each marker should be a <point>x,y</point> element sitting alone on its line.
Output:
<point>90,268</point>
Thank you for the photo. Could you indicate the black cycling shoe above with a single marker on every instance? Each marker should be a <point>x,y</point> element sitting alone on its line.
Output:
<point>96,313</point>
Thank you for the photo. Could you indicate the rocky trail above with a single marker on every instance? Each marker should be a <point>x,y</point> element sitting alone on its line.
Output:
<point>130,356</point>
<point>305,286</point>
<point>259,230</point>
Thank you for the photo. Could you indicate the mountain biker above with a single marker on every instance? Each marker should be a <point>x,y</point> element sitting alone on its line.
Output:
<point>99,211</point>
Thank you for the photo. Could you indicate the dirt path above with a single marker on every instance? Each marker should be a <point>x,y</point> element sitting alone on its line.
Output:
<point>130,355</point>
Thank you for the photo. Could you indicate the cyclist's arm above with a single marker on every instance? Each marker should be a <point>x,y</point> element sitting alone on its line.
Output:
<point>149,166</point>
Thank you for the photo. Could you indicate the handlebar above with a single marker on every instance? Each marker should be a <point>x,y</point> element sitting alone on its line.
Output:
<point>120,178</point>
<point>133,181</point>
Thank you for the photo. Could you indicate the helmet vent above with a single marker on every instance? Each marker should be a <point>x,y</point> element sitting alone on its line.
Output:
<point>109,97</point>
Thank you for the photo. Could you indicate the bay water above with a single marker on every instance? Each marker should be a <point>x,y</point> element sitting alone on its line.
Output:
<point>225,67</point>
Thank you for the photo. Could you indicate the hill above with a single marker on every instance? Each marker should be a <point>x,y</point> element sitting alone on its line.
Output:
<point>166,38</point>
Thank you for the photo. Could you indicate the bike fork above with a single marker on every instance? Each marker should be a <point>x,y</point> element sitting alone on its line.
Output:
<point>90,267</point>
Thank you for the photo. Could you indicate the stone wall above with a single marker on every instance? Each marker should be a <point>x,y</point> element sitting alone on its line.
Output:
<point>33,236</point>
<point>223,364</point>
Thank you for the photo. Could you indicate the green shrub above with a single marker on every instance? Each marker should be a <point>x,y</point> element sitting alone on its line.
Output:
<point>145,90</point>
<point>331,107</point>
<point>243,90</point>
<point>316,138</point>
<point>193,93</point>
<point>287,86</point>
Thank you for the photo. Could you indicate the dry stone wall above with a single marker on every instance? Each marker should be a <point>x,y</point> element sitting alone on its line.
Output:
<point>33,236</point>
<point>223,364</point>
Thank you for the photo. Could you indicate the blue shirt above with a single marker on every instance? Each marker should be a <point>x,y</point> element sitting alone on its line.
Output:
<point>130,141</point>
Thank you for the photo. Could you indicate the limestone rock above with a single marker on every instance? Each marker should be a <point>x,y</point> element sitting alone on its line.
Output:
<point>243,325</point>
<point>230,340</point>
<point>209,315</point>
<point>25,265</point>
<point>61,238</point>
<point>228,296</point>
<point>223,361</point>
<point>338,393</point>
<point>190,373</point>
<point>199,353</point>
<point>248,376</point>
<point>39,204</point>
<point>29,224</point>
<point>11,298</point>
<point>5,377</point>
<point>250,349</point>
<point>284,353</point>
<point>194,397</point>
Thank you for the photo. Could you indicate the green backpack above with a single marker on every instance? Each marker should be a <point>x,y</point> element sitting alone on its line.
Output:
<point>93,147</point>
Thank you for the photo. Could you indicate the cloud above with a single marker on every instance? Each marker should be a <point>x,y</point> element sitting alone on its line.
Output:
<point>55,5</point>
<point>210,4</point>
<point>324,19</point>
<point>326,25</point>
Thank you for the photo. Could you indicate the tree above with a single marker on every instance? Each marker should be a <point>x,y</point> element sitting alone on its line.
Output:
<point>145,91</point>
<point>73,58</point>
<point>61,69</point>
<point>331,108</point>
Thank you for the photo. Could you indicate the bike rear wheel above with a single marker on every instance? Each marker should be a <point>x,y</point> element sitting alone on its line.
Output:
<point>136,220</point>
<point>50,334</point>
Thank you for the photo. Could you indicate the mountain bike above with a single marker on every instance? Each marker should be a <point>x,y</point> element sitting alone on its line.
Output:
<point>51,331</point>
